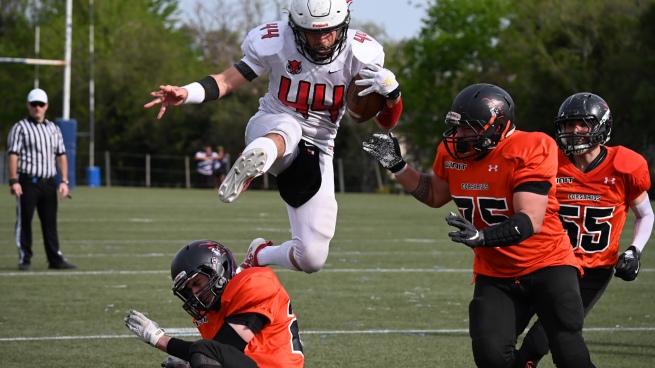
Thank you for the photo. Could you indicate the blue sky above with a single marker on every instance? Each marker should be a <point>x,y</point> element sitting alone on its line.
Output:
<point>400,18</point>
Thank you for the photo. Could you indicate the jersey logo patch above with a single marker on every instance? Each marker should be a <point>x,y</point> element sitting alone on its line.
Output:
<point>294,67</point>
<point>610,181</point>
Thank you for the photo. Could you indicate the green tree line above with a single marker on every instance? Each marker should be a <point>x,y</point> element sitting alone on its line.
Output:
<point>539,51</point>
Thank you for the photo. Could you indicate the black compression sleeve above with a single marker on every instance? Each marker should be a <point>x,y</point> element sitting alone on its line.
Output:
<point>245,70</point>
<point>509,232</point>
<point>254,321</point>
<point>227,335</point>
<point>536,187</point>
<point>179,348</point>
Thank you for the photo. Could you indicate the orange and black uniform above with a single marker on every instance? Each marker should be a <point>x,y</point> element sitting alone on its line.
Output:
<point>593,209</point>
<point>276,345</point>
<point>540,272</point>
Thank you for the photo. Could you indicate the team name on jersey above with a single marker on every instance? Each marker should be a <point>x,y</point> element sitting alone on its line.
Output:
<point>567,180</point>
<point>584,197</point>
<point>475,186</point>
<point>454,165</point>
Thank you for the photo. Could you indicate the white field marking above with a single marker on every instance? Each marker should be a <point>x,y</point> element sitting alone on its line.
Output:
<point>181,332</point>
<point>325,270</point>
<point>247,241</point>
<point>333,253</point>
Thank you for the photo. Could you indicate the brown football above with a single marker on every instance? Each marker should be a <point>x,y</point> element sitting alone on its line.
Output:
<point>362,108</point>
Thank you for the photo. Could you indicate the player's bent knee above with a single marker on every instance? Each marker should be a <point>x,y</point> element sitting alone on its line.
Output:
<point>313,258</point>
<point>205,354</point>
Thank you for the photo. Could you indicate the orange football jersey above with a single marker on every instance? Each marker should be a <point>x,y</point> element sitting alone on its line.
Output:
<point>594,205</point>
<point>258,290</point>
<point>483,192</point>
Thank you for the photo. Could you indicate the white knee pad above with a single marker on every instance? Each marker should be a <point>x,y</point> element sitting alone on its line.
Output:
<point>284,125</point>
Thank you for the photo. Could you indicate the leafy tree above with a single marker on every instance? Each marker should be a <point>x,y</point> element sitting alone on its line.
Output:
<point>457,43</point>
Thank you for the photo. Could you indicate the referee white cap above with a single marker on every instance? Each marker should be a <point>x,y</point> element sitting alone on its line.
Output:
<point>38,95</point>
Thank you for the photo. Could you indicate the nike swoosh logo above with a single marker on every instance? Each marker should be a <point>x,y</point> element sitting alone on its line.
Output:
<point>333,71</point>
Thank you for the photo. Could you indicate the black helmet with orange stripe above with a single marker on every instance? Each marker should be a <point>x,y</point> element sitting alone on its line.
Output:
<point>481,116</point>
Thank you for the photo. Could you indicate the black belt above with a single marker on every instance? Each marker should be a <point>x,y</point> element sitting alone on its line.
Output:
<point>34,179</point>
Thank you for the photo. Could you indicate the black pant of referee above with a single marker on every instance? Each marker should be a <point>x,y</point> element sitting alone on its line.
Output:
<point>41,195</point>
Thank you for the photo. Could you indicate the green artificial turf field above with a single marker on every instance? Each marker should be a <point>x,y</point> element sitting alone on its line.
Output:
<point>394,291</point>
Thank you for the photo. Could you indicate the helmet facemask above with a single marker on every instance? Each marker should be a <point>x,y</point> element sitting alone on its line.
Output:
<point>483,135</point>
<point>205,299</point>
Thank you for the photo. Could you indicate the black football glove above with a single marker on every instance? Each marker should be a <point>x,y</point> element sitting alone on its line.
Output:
<point>629,264</point>
<point>467,233</point>
<point>384,147</point>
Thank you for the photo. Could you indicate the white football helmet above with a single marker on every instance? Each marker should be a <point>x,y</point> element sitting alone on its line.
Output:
<point>319,16</point>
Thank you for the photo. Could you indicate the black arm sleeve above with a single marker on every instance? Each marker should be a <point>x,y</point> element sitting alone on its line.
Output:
<point>227,335</point>
<point>245,70</point>
<point>509,232</point>
<point>179,348</point>
<point>536,187</point>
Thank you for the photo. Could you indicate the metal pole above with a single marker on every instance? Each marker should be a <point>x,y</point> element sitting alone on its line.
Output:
<point>91,89</point>
<point>67,58</point>
<point>37,42</point>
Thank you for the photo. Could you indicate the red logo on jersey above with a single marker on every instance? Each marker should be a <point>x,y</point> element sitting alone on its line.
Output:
<point>294,66</point>
<point>271,30</point>
<point>361,37</point>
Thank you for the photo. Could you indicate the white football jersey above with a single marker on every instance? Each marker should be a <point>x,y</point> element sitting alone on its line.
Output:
<point>314,94</point>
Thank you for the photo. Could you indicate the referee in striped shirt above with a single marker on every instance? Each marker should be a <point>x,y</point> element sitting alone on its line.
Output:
<point>35,146</point>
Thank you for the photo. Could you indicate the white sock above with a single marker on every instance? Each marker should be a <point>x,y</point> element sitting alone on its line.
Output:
<point>277,255</point>
<point>268,146</point>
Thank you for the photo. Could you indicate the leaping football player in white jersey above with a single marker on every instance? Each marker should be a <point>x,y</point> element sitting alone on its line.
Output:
<point>310,58</point>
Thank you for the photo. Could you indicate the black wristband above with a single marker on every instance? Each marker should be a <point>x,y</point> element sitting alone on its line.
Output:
<point>212,92</point>
<point>397,167</point>
<point>13,181</point>
<point>393,94</point>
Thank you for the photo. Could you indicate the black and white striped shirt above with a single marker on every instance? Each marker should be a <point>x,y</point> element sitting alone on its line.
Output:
<point>37,145</point>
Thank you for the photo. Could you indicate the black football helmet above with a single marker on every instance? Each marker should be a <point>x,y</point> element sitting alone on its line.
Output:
<point>205,257</point>
<point>319,16</point>
<point>594,112</point>
<point>483,114</point>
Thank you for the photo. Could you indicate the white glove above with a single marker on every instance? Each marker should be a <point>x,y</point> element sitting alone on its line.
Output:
<point>174,362</point>
<point>144,328</point>
<point>380,80</point>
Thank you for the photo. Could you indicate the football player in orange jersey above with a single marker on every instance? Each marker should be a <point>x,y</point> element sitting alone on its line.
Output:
<point>245,319</point>
<point>596,185</point>
<point>503,181</point>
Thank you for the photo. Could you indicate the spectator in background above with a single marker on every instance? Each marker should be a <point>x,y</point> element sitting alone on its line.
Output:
<point>205,166</point>
<point>35,150</point>
<point>221,166</point>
